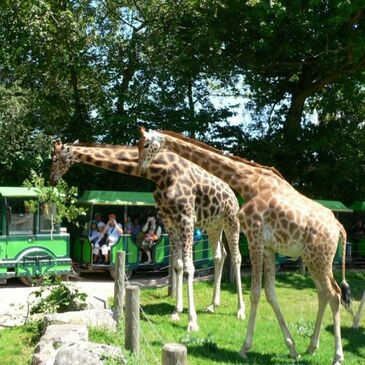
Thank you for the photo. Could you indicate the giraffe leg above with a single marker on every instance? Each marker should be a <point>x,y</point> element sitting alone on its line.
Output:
<point>220,254</point>
<point>334,301</point>
<point>233,235</point>
<point>358,313</point>
<point>256,254</point>
<point>189,270</point>
<point>269,276</point>
<point>322,303</point>
<point>178,276</point>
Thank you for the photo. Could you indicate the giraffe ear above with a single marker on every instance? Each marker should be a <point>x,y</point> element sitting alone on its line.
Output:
<point>77,141</point>
<point>57,145</point>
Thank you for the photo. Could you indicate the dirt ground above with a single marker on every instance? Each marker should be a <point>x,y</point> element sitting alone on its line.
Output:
<point>98,286</point>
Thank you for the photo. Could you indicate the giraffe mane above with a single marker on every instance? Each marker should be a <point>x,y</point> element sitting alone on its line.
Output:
<point>101,145</point>
<point>217,151</point>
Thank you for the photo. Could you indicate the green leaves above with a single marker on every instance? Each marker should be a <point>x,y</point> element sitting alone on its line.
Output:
<point>60,200</point>
<point>56,296</point>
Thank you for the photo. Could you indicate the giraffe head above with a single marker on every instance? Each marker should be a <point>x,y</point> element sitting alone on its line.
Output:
<point>150,144</point>
<point>61,160</point>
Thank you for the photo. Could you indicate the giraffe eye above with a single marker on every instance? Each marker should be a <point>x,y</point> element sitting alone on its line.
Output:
<point>147,145</point>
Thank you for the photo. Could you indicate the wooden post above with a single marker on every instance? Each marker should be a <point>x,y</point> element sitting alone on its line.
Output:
<point>174,354</point>
<point>131,331</point>
<point>119,283</point>
<point>172,279</point>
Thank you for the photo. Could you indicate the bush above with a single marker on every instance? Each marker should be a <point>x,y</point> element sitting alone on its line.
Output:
<point>55,296</point>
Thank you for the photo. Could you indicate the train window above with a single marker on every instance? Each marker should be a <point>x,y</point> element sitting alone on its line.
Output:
<point>47,212</point>
<point>19,218</point>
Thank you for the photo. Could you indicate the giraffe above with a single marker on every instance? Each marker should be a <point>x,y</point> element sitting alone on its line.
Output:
<point>275,218</point>
<point>357,316</point>
<point>186,195</point>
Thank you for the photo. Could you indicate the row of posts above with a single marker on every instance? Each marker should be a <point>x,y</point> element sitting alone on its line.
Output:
<point>127,302</point>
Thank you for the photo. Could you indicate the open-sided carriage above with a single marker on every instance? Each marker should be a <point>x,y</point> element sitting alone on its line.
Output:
<point>126,205</point>
<point>29,248</point>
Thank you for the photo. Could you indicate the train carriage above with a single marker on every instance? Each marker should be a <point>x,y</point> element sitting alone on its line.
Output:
<point>29,247</point>
<point>124,204</point>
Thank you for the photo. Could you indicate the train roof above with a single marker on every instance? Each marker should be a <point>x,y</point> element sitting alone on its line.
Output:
<point>15,192</point>
<point>100,197</point>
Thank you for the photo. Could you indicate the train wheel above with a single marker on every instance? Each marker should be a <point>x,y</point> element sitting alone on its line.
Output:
<point>31,280</point>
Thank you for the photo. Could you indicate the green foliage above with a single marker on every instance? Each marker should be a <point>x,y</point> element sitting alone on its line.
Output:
<point>60,199</point>
<point>96,71</point>
<point>55,296</point>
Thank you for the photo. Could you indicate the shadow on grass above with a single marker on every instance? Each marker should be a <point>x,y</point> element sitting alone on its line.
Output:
<point>158,309</point>
<point>355,339</point>
<point>296,281</point>
<point>232,357</point>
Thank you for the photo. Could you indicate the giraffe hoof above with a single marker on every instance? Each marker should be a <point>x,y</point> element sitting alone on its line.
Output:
<point>338,360</point>
<point>193,327</point>
<point>210,309</point>
<point>355,324</point>
<point>175,317</point>
<point>311,350</point>
<point>295,356</point>
<point>241,314</point>
<point>243,354</point>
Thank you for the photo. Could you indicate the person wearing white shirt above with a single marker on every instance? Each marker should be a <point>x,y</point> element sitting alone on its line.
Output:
<point>113,230</point>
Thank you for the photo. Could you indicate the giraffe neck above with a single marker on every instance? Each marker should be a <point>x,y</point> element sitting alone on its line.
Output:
<point>245,178</point>
<point>122,159</point>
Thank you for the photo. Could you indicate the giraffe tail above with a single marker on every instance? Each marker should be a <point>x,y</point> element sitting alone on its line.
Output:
<point>345,288</point>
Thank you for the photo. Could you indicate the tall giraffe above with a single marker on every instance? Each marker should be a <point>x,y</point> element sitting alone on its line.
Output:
<point>186,196</point>
<point>275,218</point>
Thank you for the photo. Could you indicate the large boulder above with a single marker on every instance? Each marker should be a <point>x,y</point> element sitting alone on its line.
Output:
<point>88,353</point>
<point>54,338</point>
<point>105,318</point>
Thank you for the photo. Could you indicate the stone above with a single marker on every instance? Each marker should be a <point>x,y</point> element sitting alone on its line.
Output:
<point>54,337</point>
<point>88,353</point>
<point>105,318</point>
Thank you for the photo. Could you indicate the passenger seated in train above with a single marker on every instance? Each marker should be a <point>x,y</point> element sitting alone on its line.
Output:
<point>96,237</point>
<point>113,230</point>
<point>152,232</point>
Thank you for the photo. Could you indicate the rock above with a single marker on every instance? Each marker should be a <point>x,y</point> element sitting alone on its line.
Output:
<point>54,337</point>
<point>70,355</point>
<point>88,353</point>
<point>105,318</point>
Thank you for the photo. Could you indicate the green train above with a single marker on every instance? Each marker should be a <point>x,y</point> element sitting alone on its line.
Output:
<point>29,248</point>
<point>125,205</point>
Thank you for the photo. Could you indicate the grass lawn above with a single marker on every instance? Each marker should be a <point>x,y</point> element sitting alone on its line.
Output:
<point>221,335</point>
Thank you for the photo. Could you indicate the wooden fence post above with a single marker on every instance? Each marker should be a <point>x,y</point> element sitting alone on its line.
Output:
<point>131,332</point>
<point>119,283</point>
<point>174,354</point>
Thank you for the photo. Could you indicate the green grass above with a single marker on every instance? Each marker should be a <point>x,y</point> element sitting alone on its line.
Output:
<point>221,335</point>
<point>17,344</point>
